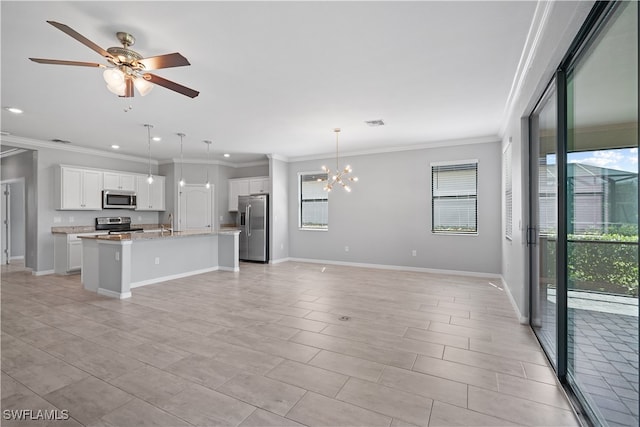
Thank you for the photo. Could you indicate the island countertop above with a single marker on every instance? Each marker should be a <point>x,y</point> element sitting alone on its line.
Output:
<point>78,229</point>
<point>113,264</point>
<point>153,235</point>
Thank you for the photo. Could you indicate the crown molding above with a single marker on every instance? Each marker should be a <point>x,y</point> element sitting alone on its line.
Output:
<point>35,144</point>
<point>213,162</point>
<point>436,144</point>
<point>529,50</point>
<point>278,157</point>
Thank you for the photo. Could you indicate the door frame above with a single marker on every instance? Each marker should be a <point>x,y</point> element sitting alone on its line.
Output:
<point>179,203</point>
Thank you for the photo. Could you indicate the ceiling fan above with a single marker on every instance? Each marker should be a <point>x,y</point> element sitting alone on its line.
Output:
<point>127,68</point>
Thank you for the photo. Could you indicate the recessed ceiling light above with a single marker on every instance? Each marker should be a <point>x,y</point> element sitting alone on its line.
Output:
<point>115,147</point>
<point>227,155</point>
<point>156,138</point>
<point>14,110</point>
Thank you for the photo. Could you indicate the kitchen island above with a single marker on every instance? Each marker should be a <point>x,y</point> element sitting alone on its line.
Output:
<point>112,265</point>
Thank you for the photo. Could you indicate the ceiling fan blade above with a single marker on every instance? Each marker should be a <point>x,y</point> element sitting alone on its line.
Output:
<point>62,62</point>
<point>164,61</point>
<point>171,85</point>
<point>82,39</point>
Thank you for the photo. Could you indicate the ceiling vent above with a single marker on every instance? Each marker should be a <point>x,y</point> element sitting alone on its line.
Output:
<point>60,141</point>
<point>374,123</point>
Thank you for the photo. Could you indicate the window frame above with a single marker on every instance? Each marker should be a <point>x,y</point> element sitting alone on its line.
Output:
<point>434,198</point>
<point>301,227</point>
<point>508,192</point>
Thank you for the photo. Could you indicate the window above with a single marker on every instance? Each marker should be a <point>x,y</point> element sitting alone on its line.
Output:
<point>314,201</point>
<point>508,194</point>
<point>454,203</point>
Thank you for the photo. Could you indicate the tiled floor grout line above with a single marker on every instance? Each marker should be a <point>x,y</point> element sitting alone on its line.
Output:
<point>180,297</point>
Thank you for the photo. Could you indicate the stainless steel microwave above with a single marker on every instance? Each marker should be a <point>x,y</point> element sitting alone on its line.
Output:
<point>118,199</point>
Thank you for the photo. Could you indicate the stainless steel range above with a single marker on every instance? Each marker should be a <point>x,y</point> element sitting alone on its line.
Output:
<point>116,224</point>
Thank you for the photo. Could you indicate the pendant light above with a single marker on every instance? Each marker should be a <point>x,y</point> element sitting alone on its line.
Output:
<point>149,127</point>
<point>340,177</point>
<point>207,184</point>
<point>181,182</point>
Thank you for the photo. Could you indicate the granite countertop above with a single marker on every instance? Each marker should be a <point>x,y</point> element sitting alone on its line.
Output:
<point>158,235</point>
<point>92,229</point>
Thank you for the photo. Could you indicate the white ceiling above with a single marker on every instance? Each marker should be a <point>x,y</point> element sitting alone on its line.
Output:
<point>274,77</point>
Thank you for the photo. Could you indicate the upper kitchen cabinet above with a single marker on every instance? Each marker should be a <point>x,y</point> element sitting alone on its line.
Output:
<point>119,181</point>
<point>150,197</point>
<point>246,186</point>
<point>259,185</point>
<point>237,187</point>
<point>78,189</point>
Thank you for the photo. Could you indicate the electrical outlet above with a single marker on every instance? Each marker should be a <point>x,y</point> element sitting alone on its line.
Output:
<point>346,248</point>
<point>117,256</point>
<point>57,219</point>
<point>139,218</point>
<point>157,261</point>
<point>414,253</point>
<point>281,246</point>
<point>221,218</point>
<point>72,219</point>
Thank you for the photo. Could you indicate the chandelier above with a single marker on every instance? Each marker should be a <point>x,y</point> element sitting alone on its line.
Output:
<point>339,177</point>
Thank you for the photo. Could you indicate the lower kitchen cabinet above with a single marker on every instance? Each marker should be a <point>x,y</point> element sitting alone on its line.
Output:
<point>67,252</point>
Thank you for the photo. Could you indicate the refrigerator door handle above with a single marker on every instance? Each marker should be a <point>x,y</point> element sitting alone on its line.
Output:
<point>248,220</point>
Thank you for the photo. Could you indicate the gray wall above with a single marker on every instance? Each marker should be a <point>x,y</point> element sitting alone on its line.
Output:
<point>563,23</point>
<point>18,219</point>
<point>218,175</point>
<point>24,167</point>
<point>37,167</point>
<point>279,210</point>
<point>388,213</point>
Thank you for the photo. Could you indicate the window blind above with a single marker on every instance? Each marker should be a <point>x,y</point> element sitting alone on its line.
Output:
<point>314,201</point>
<point>454,201</point>
<point>508,194</point>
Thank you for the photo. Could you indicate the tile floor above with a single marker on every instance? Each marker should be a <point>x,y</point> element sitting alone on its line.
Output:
<point>269,347</point>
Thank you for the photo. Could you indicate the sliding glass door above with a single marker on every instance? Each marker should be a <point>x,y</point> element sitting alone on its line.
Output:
<point>584,218</point>
<point>544,220</point>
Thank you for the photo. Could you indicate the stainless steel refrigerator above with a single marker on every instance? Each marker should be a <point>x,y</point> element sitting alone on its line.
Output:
<point>253,222</point>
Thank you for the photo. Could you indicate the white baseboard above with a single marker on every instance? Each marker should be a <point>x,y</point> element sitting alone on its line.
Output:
<point>172,277</point>
<point>16,258</point>
<point>232,269</point>
<point>399,268</point>
<point>279,260</point>
<point>524,320</point>
<point>42,272</point>
<point>113,294</point>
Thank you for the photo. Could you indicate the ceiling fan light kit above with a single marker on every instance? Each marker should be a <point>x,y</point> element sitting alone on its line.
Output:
<point>127,68</point>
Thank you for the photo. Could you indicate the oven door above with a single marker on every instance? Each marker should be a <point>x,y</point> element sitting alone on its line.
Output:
<point>118,199</point>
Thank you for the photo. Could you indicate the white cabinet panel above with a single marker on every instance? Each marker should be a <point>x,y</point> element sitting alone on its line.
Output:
<point>119,181</point>
<point>74,254</point>
<point>78,189</point>
<point>258,185</point>
<point>237,187</point>
<point>150,197</point>
<point>244,187</point>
